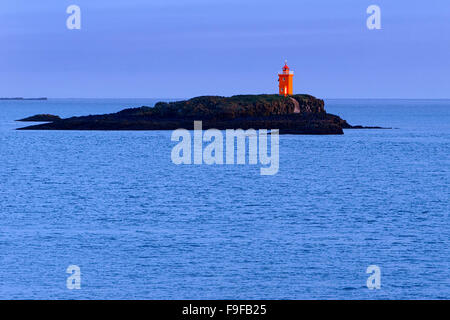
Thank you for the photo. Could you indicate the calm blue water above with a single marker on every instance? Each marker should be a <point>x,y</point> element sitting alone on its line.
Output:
<point>140,227</point>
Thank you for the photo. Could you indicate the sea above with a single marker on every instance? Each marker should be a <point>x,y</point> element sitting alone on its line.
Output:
<point>140,227</point>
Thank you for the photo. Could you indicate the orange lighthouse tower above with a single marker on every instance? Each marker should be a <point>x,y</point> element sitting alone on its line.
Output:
<point>285,80</point>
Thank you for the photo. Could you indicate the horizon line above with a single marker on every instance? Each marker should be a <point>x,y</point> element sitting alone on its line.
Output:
<point>185,98</point>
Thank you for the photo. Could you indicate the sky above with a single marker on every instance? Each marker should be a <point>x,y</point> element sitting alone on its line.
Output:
<point>186,48</point>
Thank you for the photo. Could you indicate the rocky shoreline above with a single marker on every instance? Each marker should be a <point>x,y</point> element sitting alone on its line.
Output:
<point>297,114</point>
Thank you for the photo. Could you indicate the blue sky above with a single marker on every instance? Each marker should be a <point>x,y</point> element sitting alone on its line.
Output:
<point>179,49</point>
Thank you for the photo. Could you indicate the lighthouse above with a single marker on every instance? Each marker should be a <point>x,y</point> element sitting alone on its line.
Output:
<point>285,80</point>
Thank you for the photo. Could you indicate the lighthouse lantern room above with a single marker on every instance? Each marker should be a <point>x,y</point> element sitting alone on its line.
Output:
<point>285,81</point>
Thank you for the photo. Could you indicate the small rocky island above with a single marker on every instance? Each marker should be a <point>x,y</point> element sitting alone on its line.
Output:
<point>295,114</point>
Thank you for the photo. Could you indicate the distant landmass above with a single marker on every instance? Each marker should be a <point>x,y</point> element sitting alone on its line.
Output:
<point>20,98</point>
<point>296,114</point>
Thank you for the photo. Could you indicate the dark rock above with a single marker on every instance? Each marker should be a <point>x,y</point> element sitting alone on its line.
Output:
<point>41,118</point>
<point>363,127</point>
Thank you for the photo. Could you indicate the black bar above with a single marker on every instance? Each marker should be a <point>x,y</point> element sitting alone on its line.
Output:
<point>228,309</point>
